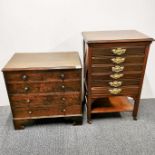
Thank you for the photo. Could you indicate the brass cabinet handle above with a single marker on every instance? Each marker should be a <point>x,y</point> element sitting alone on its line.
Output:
<point>118,60</point>
<point>63,87</point>
<point>117,68</point>
<point>63,110</point>
<point>28,100</point>
<point>115,83</point>
<point>116,75</point>
<point>63,99</point>
<point>119,51</point>
<point>24,77</point>
<point>62,76</point>
<point>26,89</point>
<point>30,112</point>
<point>115,91</point>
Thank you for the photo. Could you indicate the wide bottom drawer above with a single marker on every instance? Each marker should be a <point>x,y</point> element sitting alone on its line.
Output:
<point>56,111</point>
<point>31,112</point>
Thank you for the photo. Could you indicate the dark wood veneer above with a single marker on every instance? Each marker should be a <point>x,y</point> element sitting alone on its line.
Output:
<point>44,91</point>
<point>99,47</point>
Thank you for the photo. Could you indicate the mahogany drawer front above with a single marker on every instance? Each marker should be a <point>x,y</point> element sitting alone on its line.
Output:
<point>108,59</point>
<point>108,51</point>
<point>106,68</point>
<point>104,91</point>
<point>43,87</point>
<point>105,83</point>
<point>59,111</point>
<point>68,99</point>
<point>107,76</point>
<point>20,112</point>
<point>44,75</point>
<point>73,110</point>
<point>43,112</point>
<point>36,112</point>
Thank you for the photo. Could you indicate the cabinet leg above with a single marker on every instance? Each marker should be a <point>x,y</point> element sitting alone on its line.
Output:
<point>77,120</point>
<point>136,107</point>
<point>19,124</point>
<point>89,111</point>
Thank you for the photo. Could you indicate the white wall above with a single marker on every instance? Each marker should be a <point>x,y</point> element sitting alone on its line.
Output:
<point>56,25</point>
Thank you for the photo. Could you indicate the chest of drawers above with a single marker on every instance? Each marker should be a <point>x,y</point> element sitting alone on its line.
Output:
<point>44,85</point>
<point>114,69</point>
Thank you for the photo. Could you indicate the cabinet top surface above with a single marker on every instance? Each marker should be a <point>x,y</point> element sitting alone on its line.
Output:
<point>38,61</point>
<point>115,36</point>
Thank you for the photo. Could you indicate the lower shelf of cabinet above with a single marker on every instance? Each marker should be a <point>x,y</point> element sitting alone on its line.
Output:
<point>112,104</point>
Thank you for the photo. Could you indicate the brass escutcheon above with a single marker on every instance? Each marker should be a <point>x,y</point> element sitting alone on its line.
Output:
<point>118,60</point>
<point>117,68</point>
<point>116,75</point>
<point>119,51</point>
<point>115,83</point>
<point>115,91</point>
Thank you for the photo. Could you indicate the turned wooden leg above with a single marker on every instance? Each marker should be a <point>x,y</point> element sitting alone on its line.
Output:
<point>78,120</point>
<point>19,124</point>
<point>136,107</point>
<point>89,111</point>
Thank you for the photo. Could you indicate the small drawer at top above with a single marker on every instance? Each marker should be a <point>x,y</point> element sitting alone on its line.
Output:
<point>118,50</point>
<point>44,75</point>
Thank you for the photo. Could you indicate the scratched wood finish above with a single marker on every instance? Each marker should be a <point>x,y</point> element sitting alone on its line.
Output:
<point>98,54</point>
<point>42,92</point>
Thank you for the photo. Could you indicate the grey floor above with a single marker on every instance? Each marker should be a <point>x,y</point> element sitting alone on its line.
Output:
<point>118,135</point>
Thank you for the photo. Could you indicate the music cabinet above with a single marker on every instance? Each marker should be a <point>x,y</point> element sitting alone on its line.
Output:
<point>114,67</point>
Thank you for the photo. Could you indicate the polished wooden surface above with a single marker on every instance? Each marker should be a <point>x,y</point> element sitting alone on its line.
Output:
<point>112,104</point>
<point>39,61</point>
<point>43,92</point>
<point>101,49</point>
<point>115,36</point>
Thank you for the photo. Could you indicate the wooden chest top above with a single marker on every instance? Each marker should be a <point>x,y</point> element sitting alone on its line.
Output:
<point>40,61</point>
<point>115,36</point>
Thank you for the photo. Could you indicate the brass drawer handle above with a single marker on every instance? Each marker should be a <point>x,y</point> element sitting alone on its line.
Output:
<point>118,60</point>
<point>116,75</point>
<point>28,100</point>
<point>26,89</point>
<point>63,110</point>
<point>63,99</point>
<point>24,77</point>
<point>63,87</point>
<point>117,68</point>
<point>119,51</point>
<point>115,91</point>
<point>115,83</point>
<point>30,112</point>
<point>62,76</point>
